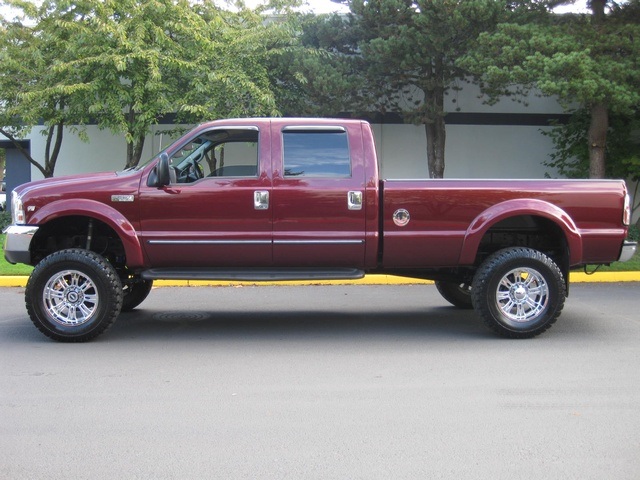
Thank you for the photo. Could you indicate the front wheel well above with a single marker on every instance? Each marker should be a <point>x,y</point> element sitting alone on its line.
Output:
<point>78,232</point>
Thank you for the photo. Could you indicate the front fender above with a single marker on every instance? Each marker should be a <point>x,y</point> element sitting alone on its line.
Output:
<point>516,208</point>
<point>104,213</point>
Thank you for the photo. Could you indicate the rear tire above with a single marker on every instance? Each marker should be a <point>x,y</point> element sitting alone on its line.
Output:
<point>134,293</point>
<point>457,294</point>
<point>519,292</point>
<point>73,295</point>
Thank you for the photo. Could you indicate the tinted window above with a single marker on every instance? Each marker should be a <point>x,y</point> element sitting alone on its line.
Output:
<point>316,154</point>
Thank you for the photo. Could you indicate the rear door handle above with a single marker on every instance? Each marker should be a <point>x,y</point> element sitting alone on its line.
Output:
<point>261,199</point>
<point>354,200</point>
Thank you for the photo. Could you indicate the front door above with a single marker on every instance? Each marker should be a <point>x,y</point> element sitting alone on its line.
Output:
<point>215,212</point>
<point>318,195</point>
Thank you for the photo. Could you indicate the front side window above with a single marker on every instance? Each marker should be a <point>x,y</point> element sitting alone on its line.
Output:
<point>217,153</point>
<point>309,153</point>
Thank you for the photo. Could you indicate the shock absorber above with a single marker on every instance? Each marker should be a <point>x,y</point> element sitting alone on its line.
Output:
<point>89,234</point>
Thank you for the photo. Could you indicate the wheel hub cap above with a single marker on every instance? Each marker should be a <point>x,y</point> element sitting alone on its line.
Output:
<point>522,295</point>
<point>70,298</point>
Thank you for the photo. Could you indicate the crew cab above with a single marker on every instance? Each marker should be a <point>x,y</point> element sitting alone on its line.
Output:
<point>281,199</point>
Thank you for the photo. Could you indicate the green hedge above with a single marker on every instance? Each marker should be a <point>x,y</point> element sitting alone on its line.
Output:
<point>5,220</point>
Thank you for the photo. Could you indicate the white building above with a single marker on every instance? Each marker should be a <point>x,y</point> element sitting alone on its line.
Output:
<point>499,141</point>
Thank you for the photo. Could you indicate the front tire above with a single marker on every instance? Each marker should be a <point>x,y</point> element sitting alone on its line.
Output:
<point>457,294</point>
<point>73,295</point>
<point>519,292</point>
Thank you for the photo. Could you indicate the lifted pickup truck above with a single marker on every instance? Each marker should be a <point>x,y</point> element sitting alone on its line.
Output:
<point>281,199</point>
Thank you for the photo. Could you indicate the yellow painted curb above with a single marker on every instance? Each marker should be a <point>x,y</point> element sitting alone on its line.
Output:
<point>576,277</point>
<point>605,277</point>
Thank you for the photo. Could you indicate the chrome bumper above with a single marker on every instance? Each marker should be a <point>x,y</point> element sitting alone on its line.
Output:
<point>628,250</point>
<point>17,243</point>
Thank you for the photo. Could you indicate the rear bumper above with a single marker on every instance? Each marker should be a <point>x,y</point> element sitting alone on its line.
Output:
<point>17,243</point>
<point>628,250</point>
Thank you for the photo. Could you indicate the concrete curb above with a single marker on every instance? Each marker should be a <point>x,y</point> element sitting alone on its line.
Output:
<point>576,277</point>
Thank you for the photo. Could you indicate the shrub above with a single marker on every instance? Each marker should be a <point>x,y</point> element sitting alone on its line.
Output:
<point>5,220</point>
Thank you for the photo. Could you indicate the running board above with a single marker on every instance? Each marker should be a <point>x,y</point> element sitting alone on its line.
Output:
<point>252,274</point>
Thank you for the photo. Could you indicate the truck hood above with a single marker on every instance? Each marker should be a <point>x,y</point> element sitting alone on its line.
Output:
<point>62,187</point>
<point>98,187</point>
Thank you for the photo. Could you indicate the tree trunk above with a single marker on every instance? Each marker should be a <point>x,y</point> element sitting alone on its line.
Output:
<point>18,146</point>
<point>51,158</point>
<point>436,136</point>
<point>433,118</point>
<point>134,151</point>
<point>598,140</point>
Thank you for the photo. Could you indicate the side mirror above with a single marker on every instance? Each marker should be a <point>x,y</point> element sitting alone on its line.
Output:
<point>159,176</point>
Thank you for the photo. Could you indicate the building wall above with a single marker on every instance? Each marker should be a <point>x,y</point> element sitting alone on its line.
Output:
<point>472,151</point>
<point>498,141</point>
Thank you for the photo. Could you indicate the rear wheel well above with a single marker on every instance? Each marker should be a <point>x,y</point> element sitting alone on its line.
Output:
<point>78,232</point>
<point>529,231</point>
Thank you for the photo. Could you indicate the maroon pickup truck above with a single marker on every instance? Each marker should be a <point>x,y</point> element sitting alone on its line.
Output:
<point>281,199</point>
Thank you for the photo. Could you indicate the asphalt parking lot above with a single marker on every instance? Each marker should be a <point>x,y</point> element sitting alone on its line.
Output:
<point>326,382</point>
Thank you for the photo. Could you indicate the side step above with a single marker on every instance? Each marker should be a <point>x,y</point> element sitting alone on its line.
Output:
<point>252,274</point>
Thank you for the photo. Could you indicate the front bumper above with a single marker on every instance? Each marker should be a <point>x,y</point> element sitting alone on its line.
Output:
<point>628,250</point>
<point>17,243</point>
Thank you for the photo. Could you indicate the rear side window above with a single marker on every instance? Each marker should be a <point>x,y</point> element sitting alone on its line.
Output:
<point>321,153</point>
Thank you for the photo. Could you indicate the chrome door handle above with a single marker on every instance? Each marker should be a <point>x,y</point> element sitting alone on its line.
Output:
<point>261,199</point>
<point>354,200</point>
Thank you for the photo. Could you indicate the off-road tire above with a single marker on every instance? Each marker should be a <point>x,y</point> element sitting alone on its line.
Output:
<point>519,292</point>
<point>457,294</point>
<point>73,295</point>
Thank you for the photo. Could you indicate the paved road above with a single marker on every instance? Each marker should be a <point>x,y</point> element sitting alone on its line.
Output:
<point>359,382</point>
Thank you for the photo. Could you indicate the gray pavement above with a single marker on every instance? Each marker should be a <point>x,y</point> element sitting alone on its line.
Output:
<point>324,382</point>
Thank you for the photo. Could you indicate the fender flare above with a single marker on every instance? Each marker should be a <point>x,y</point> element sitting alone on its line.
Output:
<point>99,211</point>
<point>516,208</point>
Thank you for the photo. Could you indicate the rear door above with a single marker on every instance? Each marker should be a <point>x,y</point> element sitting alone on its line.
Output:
<point>318,194</point>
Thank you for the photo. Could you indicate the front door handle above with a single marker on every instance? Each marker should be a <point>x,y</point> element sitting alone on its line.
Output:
<point>354,200</point>
<point>261,199</point>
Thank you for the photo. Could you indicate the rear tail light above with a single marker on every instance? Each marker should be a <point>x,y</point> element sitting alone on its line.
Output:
<point>626,214</point>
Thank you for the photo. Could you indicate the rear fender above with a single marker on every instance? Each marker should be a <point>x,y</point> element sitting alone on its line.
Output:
<point>515,208</point>
<point>101,212</point>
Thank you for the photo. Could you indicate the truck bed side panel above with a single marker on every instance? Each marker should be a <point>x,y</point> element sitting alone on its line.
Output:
<point>443,211</point>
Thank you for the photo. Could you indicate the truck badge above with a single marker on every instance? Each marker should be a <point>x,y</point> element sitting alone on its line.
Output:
<point>122,198</point>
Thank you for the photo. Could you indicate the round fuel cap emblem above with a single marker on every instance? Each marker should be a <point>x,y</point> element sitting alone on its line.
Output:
<point>401,217</point>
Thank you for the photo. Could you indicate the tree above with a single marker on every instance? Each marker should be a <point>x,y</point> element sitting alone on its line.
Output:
<point>32,91</point>
<point>322,75</point>
<point>389,56</point>
<point>571,152</point>
<point>409,50</point>
<point>125,64</point>
<point>150,59</point>
<point>589,60</point>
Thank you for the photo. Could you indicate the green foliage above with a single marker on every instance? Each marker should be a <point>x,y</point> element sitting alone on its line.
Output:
<point>321,76</point>
<point>589,60</point>
<point>393,56</point>
<point>570,157</point>
<point>5,218</point>
<point>125,64</point>
<point>32,91</point>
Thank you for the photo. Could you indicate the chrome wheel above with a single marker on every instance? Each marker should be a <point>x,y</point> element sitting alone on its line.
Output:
<point>70,298</point>
<point>518,292</point>
<point>73,295</point>
<point>522,295</point>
